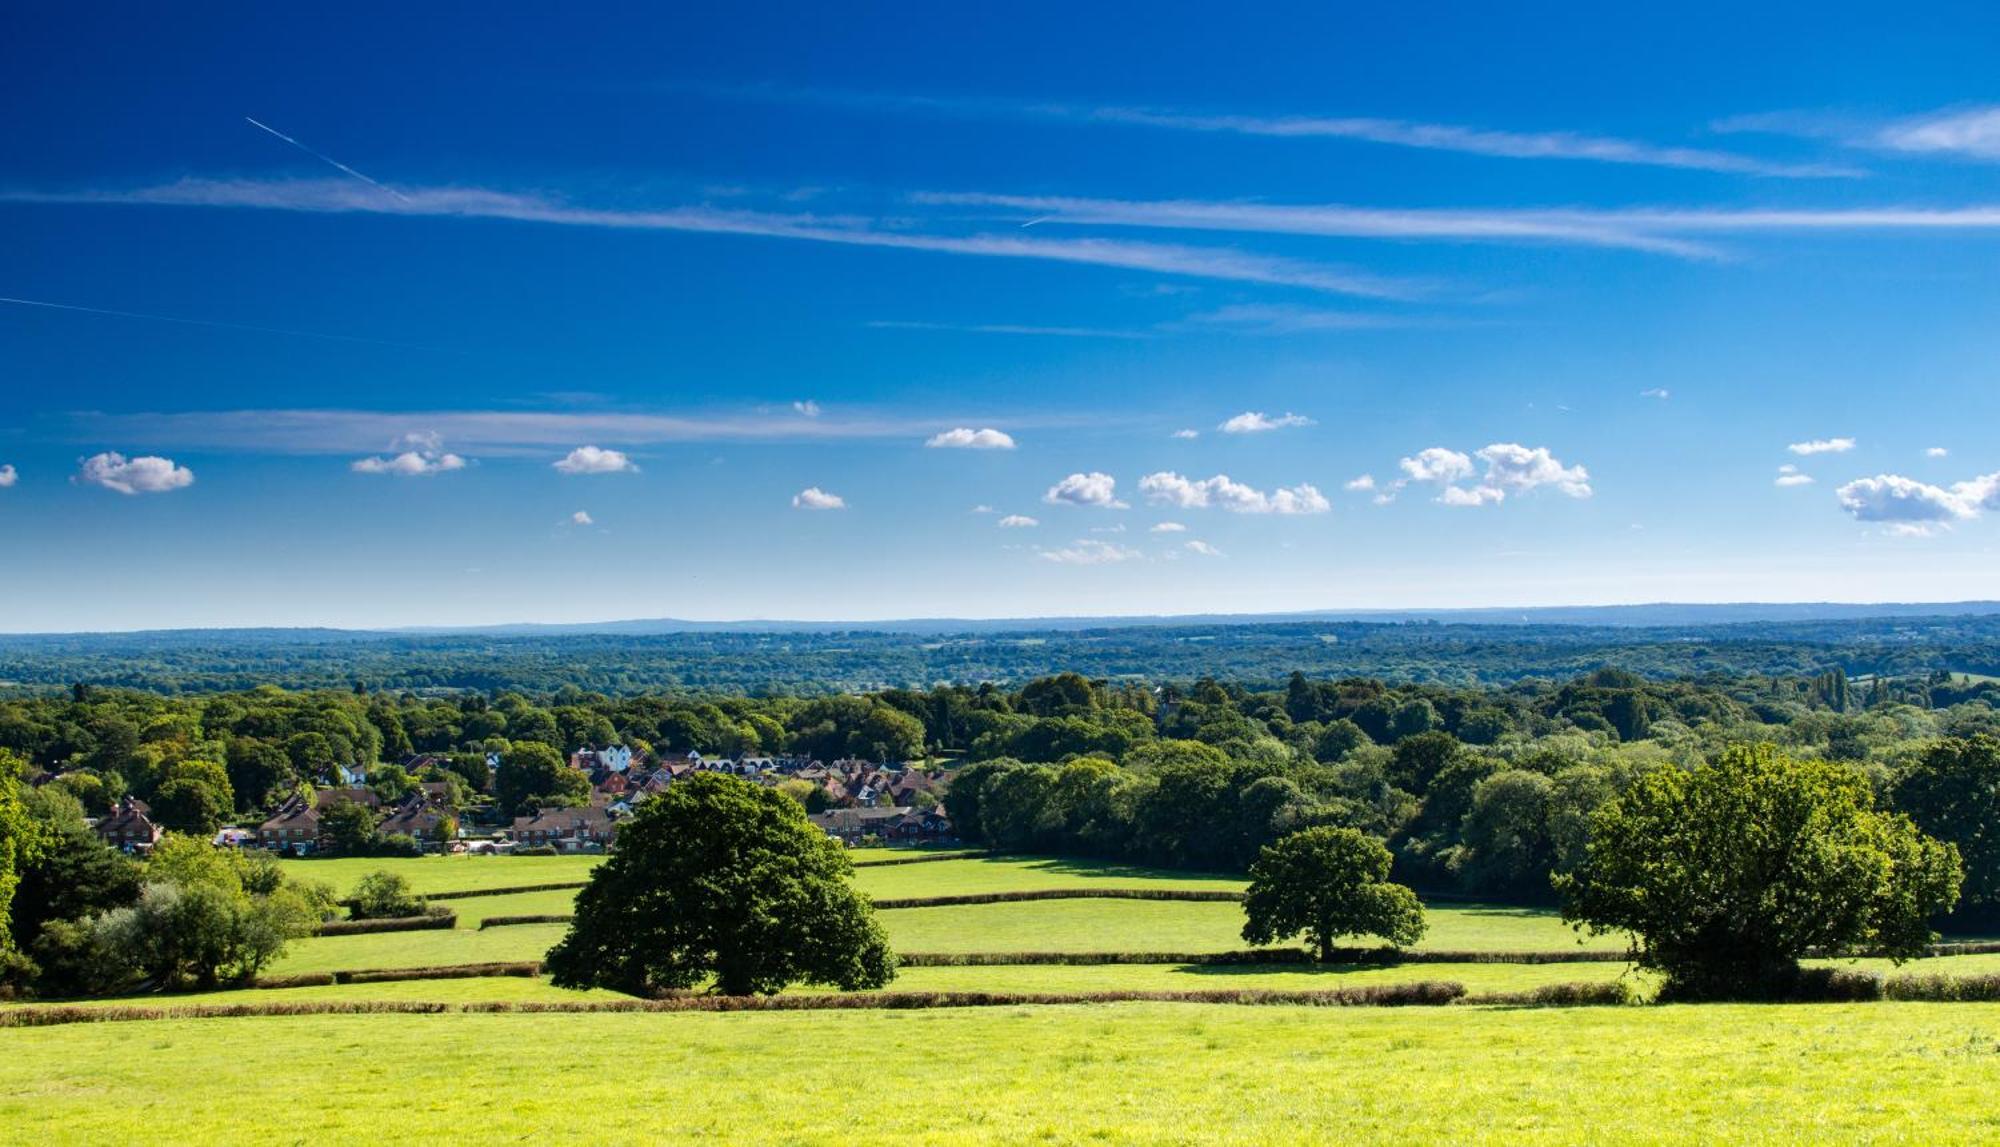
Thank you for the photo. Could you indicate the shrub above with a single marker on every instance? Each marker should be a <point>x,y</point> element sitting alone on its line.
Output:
<point>383,895</point>
<point>1944,989</point>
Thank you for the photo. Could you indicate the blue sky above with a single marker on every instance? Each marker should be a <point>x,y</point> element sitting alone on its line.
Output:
<point>468,315</point>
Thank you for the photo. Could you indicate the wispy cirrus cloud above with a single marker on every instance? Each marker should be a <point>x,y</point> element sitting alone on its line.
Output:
<point>1686,233</point>
<point>1390,131</point>
<point>497,432</point>
<point>1967,131</point>
<point>344,197</point>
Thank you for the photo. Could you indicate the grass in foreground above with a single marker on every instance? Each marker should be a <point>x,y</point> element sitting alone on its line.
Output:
<point>1111,1073</point>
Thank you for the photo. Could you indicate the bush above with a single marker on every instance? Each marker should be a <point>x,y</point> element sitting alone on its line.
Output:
<point>537,850</point>
<point>428,921</point>
<point>1944,989</point>
<point>384,895</point>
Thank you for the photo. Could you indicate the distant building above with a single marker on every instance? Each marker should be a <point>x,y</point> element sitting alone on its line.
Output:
<point>128,827</point>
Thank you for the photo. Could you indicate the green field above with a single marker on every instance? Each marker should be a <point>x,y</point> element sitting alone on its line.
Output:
<point>1150,1073</point>
<point>417,949</point>
<point>1024,874</point>
<point>432,874</point>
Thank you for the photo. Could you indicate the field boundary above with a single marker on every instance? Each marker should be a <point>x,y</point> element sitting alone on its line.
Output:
<point>1254,956</point>
<point>926,859</point>
<point>510,921</point>
<point>388,924</point>
<point>1428,993</point>
<point>1186,894</point>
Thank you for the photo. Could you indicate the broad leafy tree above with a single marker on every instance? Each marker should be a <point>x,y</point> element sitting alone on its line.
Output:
<point>1728,874</point>
<point>532,775</point>
<point>719,882</point>
<point>1325,883</point>
<point>1952,792</point>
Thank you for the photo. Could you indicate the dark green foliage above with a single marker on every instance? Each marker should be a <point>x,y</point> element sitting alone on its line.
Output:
<point>1952,792</point>
<point>190,806</point>
<point>719,881</point>
<point>74,875</point>
<point>533,775</point>
<point>1325,883</point>
<point>347,828</point>
<point>1732,872</point>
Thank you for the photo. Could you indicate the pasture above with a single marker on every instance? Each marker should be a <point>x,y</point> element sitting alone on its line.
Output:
<point>1147,1073</point>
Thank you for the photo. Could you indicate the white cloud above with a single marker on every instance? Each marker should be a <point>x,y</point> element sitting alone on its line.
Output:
<point>595,460</point>
<point>966,438</point>
<point>1187,434</point>
<point>1511,468</point>
<point>1203,548</point>
<point>1791,478</point>
<point>1017,522</point>
<point>1117,529</point>
<point>1093,489</point>
<point>1090,552</point>
<point>582,518</point>
<point>1257,422</point>
<point>1224,492</point>
<point>809,408</point>
<point>1360,483</point>
<point>1936,452</point>
<point>1168,528</point>
<point>1907,505</point>
<point>146,474</point>
<point>1968,132</point>
<point>982,508</point>
<point>1822,446</point>
<point>8,476</point>
<point>1476,496</point>
<point>1659,392</point>
<point>409,464</point>
<point>1436,464</point>
<point>814,498</point>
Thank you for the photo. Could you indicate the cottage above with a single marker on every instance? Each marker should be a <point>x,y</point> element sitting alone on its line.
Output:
<point>128,827</point>
<point>568,829</point>
<point>293,828</point>
<point>417,816</point>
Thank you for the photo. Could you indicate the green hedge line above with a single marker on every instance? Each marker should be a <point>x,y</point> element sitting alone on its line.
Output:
<point>469,893</point>
<point>1428,994</point>
<point>1195,894</point>
<point>1261,956</point>
<point>422,923</point>
<point>545,918</point>
<point>388,975</point>
<point>926,859</point>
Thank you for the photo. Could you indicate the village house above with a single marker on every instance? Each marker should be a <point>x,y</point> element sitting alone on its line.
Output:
<point>128,827</point>
<point>566,829</point>
<point>294,828</point>
<point>416,816</point>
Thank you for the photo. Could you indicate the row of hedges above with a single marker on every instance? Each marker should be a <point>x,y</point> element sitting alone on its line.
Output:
<point>1261,956</point>
<point>545,918</point>
<point>528,968</point>
<point>469,893</point>
<point>1195,894</point>
<point>426,922</point>
<point>1427,994</point>
<point>928,858</point>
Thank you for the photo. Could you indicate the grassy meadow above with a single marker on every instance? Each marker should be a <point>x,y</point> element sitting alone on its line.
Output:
<point>1145,1073</point>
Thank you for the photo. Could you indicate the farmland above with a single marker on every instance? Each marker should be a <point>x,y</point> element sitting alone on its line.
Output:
<point>1269,1073</point>
<point>1154,1073</point>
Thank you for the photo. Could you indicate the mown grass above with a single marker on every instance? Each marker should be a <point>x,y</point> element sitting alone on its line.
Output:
<point>432,874</point>
<point>473,990</point>
<point>1172,926</point>
<point>1150,1073</point>
<point>1279,977</point>
<point>460,945</point>
<point>473,909</point>
<point>1024,874</point>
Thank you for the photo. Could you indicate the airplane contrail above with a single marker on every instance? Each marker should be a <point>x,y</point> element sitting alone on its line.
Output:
<point>4,299</point>
<point>1037,219</point>
<point>327,159</point>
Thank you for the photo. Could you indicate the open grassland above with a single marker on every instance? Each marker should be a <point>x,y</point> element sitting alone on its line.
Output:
<point>473,909</point>
<point>1025,874</point>
<point>1153,1073</point>
<point>471,990</point>
<point>1176,926</point>
<point>429,875</point>
<point>417,949</point>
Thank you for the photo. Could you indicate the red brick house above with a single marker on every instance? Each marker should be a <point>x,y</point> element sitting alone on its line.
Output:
<point>128,827</point>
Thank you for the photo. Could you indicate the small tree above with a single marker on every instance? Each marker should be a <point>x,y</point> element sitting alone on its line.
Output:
<point>348,828</point>
<point>532,775</point>
<point>717,879</point>
<point>1728,874</point>
<point>384,895</point>
<point>1326,883</point>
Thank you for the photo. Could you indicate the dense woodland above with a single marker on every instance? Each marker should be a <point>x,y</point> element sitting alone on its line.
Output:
<point>1484,791</point>
<point>735,661</point>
